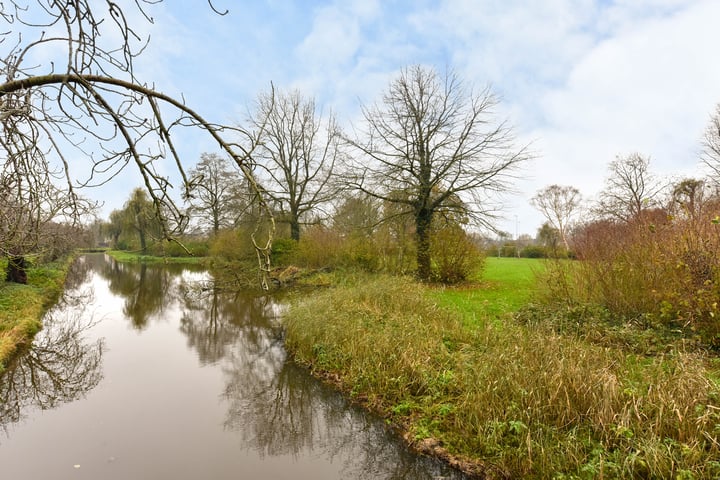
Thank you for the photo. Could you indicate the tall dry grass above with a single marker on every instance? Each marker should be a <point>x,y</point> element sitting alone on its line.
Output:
<point>524,401</point>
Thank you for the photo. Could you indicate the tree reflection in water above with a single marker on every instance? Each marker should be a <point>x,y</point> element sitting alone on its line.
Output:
<point>214,321</point>
<point>273,406</point>
<point>146,289</point>
<point>276,407</point>
<point>60,366</point>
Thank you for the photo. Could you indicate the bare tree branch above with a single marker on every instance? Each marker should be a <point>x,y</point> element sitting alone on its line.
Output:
<point>630,189</point>
<point>711,143</point>
<point>434,140</point>
<point>87,102</point>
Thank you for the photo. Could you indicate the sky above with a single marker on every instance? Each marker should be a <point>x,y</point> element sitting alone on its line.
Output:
<point>581,81</point>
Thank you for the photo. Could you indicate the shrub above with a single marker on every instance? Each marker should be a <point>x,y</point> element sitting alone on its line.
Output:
<point>455,256</point>
<point>533,251</point>
<point>662,268</point>
<point>284,251</point>
<point>319,247</point>
<point>232,245</point>
<point>360,252</point>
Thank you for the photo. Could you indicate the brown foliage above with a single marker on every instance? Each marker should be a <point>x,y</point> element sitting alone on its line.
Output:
<point>664,267</point>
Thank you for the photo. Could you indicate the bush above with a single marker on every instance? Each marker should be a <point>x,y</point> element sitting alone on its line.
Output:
<point>232,245</point>
<point>319,247</point>
<point>664,269</point>
<point>322,247</point>
<point>361,253</point>
<point>284,251</point>
<point>533,251</point>
<point>455,256</point>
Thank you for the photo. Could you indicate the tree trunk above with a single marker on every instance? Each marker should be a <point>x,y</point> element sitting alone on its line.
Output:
<point>143,242</point>
<point>16,270</point>
<point>295,230</point>
<point>423,220</point>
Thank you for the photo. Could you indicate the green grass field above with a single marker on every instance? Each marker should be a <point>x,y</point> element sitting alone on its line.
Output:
<point>505,285</point>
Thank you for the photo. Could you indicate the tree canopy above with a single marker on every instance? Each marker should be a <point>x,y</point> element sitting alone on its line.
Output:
<point>434,138</point>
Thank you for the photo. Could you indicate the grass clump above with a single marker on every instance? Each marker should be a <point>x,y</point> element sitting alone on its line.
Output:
<point>507,399</point>
<point>22,306</point>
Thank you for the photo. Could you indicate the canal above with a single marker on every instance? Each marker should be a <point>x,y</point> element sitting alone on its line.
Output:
<point>148,372</point>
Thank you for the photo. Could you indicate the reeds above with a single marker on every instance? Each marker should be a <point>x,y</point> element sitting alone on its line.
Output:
<point>522,399</point>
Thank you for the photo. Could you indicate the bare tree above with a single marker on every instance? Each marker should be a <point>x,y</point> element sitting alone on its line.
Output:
<point>434,139</point>
<point>711,143</point>
<point>217,194</point>
<point>558,204</point>
<point>630,189</point>
<point>30,208</point>
<point>298,153</point>
<point>69,91</point>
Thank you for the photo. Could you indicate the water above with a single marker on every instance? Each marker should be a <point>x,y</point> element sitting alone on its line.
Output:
<point>146,372</point>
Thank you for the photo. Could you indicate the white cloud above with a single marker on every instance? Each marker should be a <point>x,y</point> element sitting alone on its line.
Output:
<point>585,79</point>
<point>648,90</point>
<point>336,34</point>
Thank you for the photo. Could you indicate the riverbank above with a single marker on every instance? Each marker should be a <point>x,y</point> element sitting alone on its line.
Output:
<point>138,257</point>
<point>22,306</point>
<point>510,396</point>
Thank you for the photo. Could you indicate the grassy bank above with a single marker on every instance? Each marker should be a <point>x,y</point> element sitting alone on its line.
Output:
<point>509,399</point>
<point>22,306</point>
<point>126,256</point>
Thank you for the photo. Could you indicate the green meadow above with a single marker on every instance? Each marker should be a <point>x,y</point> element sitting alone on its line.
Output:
<point>481,376</point>
<point>503,287</point>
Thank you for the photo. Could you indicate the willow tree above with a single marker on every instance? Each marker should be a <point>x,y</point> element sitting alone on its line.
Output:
<point>435,139</point>
<point>69,91</point>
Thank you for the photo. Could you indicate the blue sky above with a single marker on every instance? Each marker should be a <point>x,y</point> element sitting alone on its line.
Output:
<point>581,80</point>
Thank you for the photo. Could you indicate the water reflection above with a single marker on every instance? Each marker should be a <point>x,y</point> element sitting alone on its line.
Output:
<point>291,413</point>
<point>259,401</point>
<point>274,406</point>
<point>145,288</point>
<point>214,321</point>
<point>60,366</point>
